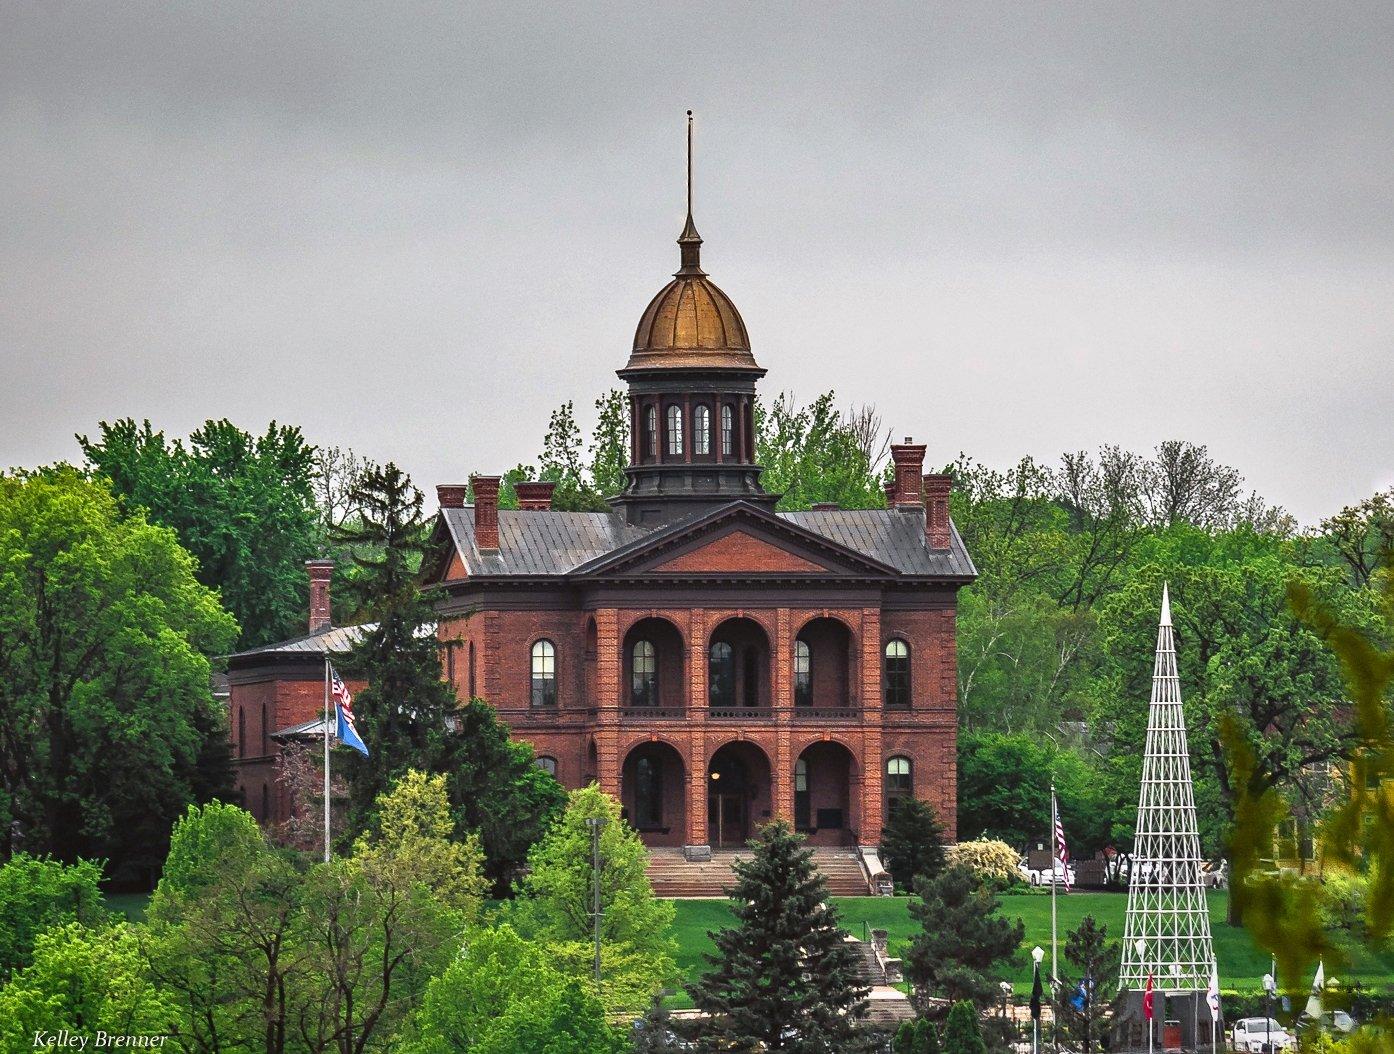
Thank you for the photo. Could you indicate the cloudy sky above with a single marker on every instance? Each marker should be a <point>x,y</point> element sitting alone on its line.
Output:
<point>415,230</point>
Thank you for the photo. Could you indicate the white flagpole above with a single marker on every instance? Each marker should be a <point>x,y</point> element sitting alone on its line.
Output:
<point>1054,859</point>
<point>326,757</point>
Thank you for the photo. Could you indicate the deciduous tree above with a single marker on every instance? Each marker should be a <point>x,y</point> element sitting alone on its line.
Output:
<point>37,894</point>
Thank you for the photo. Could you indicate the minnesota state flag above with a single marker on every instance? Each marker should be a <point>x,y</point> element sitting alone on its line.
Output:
<point>344,727</point>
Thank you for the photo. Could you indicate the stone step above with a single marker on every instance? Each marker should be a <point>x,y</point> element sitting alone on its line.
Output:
<point>672,875</point>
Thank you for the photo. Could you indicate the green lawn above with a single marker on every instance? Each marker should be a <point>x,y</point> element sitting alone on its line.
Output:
<point>1241,964</point>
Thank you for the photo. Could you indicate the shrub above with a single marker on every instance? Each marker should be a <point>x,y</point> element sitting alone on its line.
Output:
<point>993,862</point>
<point>1342,904</point>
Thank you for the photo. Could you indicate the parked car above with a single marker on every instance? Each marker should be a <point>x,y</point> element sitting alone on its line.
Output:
<point>1260,1035</point>
<point>1041,876</point>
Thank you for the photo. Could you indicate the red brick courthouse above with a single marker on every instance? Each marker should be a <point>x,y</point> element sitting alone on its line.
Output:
<point>709,660</point>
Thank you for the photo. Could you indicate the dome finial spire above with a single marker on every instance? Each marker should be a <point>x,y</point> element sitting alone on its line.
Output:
<point>689,240</point>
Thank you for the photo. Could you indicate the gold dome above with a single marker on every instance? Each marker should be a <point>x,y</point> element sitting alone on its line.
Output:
<point>691,323</point>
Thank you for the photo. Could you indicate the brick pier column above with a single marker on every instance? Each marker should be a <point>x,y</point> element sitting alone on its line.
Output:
<point>782,778</point>
<point>697,845</point>
<point>872,763</point>
<point>607,692</point>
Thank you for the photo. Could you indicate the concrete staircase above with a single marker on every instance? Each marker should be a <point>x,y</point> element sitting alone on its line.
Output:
<point>674,876</point>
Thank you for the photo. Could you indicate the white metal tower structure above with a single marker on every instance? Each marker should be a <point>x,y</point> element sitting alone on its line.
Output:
<point>1167,914</point>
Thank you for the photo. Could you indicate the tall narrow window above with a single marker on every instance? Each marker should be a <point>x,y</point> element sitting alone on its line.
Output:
<point>648,793</point>
<point>241,732</point>
<point>897,675</point>
<point>900,783</point>
<point>803,674</point>
<point>728,430</point>
<point>265,733</point>
<point>803,811</point>
<point>265,803</point>
<point>721,675</point>
<point>651,431</point>
<point>643,675</point>
<point>544,674</point>
<point>701,430</point>
<point>674,430</point>
<point>473,692</point>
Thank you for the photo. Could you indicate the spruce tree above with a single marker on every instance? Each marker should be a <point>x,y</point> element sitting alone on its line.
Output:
<point>653,1033</point>
<point>401,714</point>
<point>912,842</point>
<point>963,942</point>
<point>961,1033</point>
<point>785,978</point>
<point>1095,958</point>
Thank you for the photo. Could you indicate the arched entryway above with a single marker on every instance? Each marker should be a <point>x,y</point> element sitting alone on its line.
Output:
<point>738,665</point>
<point>823,803</point>
<point>653,666</point>
<point>823,664</point>
<point>653,792</point>
<point>738,793</point>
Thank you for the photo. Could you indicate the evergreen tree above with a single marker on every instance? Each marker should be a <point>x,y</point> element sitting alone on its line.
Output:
<point>961,1032</point>
<point>401,714</point>
<point>653,1033</point>
<point>1095,957</point>
<point>912,842</point>
<point>785,978</point>
<point>916,1037</point>
<point>963,940</point>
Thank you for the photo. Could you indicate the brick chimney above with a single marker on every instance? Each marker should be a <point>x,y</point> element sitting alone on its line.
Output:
<point>451,495</point>
<point>537,496</point>
<point>321,571</point>
<point>890,493</point>
<point>486,511</point>
<point>909,465</point>
<point>936,509</point>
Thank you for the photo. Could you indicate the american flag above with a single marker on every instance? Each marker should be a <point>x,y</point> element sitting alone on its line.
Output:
<point>1062,851</point>
<point>346,729</point>
<point>338,691</point>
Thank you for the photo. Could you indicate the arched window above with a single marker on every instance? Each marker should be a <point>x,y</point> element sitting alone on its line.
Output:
<point>803,674</point>
<point>721,675</point>
<point>473,692</point>
<point>728,429</point>
<point>701,430</point>
<point>546,764</point>
<point>265,733</point>
<point>241,732</point>
<point>643,680</point>
<point>651,431</point>
<point>544,674</point>
<point>648,793</point>
<point>265,803</point>
<point>803,810</point>
<point>674,430</point>
<point>897,675</point>
<point>900,782</point>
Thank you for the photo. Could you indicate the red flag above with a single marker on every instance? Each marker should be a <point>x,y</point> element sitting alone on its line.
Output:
<point>1147,1000</point>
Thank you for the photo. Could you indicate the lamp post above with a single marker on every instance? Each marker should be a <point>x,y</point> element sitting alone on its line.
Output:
<point>1037,954</point>
<point>595,823</point>
<point>1269,987</point>
<point>1005,987</point>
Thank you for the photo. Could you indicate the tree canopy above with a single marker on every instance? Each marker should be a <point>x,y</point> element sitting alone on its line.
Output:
<point>106,708</point>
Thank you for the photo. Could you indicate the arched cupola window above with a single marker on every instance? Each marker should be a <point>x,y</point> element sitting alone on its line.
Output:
<point>651,432</point>
<point>674,431</point>
<point>701,430</point>
<point>728,429</point>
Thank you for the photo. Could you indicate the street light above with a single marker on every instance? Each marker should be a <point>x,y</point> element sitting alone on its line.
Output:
<point>1005,987</point>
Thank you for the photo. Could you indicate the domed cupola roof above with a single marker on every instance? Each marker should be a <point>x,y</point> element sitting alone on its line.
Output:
<point>691,323</point>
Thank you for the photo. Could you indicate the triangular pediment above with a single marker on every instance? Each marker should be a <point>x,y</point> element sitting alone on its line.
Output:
<point>739,552</point>
<point>738,540</point>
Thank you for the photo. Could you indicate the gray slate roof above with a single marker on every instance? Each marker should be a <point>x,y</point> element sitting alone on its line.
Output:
<point>333,641</point>
<point>536,542</point>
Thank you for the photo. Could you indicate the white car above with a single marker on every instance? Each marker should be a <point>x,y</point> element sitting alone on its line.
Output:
<point>1041,876</point>
<point>1253,1035</point>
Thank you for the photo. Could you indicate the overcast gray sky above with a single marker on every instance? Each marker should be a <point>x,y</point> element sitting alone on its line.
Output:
<point>415,231</point>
